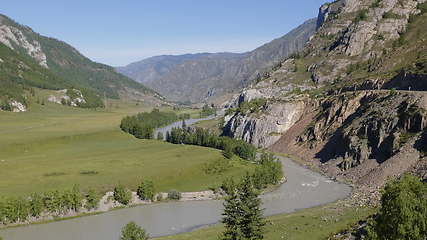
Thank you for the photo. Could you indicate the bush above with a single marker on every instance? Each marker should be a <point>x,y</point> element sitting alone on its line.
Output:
<point>403,212</point>
<point>36,205</point>
<point>146,190</point>
<point>207,111</point>
<point>252,106</point>
<point>133,232</point>
<point>160,136</point>
<point>174,195</point>
<point>362,15</point>
<point>390,14</point>
<point>269,172</point>
<point>122,195</point>
<point>376,3</point>
<point>92,199</point>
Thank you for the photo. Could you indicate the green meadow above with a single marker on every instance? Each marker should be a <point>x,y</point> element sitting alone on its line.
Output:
<point>54,147</point>
<point>318,223</point>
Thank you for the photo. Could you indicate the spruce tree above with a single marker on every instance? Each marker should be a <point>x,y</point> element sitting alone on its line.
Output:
<point>242,215</point>
<point>232,214</point>
<point>252,221</point>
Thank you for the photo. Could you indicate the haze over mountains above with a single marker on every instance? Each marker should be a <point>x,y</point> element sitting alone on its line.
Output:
<point>200,77</point>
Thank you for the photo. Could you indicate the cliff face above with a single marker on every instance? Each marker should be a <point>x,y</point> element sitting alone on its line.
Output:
<point>202,77</point>
<point>345,97</point>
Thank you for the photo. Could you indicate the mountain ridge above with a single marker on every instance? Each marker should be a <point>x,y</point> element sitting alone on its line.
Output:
<point>61,66</point>
<point>204,76</point>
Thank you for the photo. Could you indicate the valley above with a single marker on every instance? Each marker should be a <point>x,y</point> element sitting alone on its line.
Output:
<point>52,145</point>
<point>318,134</point>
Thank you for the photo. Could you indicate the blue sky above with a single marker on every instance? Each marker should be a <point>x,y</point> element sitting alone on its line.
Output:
<point>117,32</point>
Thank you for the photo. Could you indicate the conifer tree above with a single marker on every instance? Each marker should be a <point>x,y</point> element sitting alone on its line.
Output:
<point>242,215</point>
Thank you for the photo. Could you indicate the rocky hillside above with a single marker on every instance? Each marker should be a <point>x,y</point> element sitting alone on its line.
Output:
<point>28,59</point>
<point>351,103</point>
<point>200,77</point>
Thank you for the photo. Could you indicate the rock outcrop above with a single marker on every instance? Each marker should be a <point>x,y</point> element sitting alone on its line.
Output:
<point>72,97</point>
<point>342,104</point>
<point>266,128</point>
<point>11,36</point>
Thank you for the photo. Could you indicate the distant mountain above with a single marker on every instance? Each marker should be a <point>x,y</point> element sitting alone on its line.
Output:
<point>29,59</point>
<point>199,77</point>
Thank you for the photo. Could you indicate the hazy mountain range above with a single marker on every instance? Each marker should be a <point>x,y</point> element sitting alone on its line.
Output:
<point>200,77</point>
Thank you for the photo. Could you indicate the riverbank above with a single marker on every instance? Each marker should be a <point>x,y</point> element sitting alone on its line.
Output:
<point>303,189</point>
<point>317,223</point>
<point>107,204</point>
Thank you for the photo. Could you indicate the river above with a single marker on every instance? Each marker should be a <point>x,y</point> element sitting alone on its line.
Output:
<point>303,189</point>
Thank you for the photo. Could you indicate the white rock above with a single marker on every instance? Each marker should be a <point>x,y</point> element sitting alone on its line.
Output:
<point>17,106</point>
<point>9,35</point>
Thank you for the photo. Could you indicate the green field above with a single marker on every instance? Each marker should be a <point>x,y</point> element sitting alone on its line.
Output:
<point>51,146</point>
<point>317,223</point>
<point>212,124</point>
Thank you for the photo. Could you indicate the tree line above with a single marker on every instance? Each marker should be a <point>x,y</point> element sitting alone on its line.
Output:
<point>19,209</point>
<point>143,124</point>
<point>204,137</point>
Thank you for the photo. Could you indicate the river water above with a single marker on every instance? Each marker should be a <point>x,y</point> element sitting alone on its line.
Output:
<point>303,189</point>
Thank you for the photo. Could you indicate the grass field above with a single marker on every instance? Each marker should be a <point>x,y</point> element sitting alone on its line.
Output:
<point>212,124</point>
<point>317,223</point>
<point>55,147</point>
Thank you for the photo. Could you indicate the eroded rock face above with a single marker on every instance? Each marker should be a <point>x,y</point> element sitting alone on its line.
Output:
<point>265,128</point>
<point>369,125</point>
<point>13,37</point>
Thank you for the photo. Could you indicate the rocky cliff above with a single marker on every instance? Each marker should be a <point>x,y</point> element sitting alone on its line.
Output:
<point>201,77</point>
<point>352,102</point>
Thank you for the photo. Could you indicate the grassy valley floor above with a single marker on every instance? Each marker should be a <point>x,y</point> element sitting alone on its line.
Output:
<point>54,147</point>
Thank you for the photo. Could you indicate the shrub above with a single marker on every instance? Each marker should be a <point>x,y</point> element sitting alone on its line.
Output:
<point>89,172</point>
<point>122,195</point>
<point>362,15</point>
<point>52,202</point>
<point>390,14</point>
<point>376,4</point>
<point>269,171</point>
<point>133,232</point>
<point>160,136</point>
<point>92,199</point>
<point>36,206</point>
<point>174,195</point>
<point>146,190</point>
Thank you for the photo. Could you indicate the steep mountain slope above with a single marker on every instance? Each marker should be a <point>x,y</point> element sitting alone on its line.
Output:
<point>198,77</point>
<point>32,60</point>
<point>353,101</point>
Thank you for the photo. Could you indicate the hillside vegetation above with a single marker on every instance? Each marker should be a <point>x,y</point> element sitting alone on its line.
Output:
<point>28,60</point>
